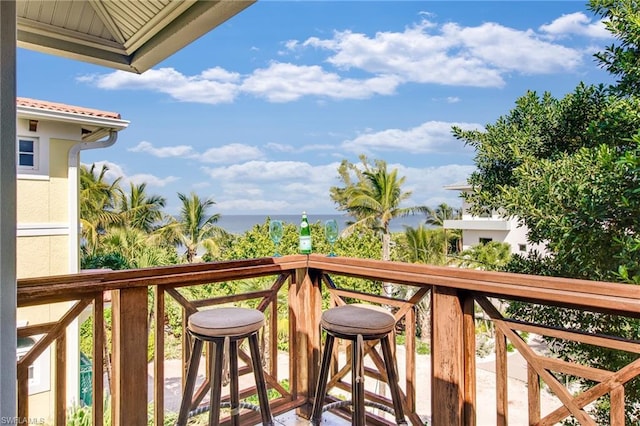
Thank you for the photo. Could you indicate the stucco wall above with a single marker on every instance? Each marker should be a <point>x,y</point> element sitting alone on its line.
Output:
<point>45,198</point>
<point>42,246</point>
<point>40,256</point>
<point>515,237</point>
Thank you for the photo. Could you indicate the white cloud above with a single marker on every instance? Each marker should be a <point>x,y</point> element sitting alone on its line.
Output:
<point>291,187</point>
<point>432,136</point>
<point>150,180</point>
<point>576,24</point>
<point>250,205</point>
<point>277,147</point>
<point>427,184</point>
<point>449,54</point>
<point>116,171</point>
<point>279,186</point>
<point>223,154</point>
<point>423,53</point>
<point>164,152</point>
<point>200,185</point>
<point>211,86</point>
<point>229,153</point>
<point>412,56</point>
<point>506,49</point>
<point>285,82</point>
<point>265,171</point>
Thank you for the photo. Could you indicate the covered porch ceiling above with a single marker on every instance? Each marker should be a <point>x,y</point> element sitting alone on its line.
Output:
<point>130,35</point>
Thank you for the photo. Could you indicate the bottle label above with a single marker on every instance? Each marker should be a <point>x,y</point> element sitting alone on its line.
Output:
<point>305,244</point>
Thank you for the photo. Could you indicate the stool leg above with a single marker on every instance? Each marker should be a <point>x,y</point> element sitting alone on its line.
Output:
<point>393,380</point>
<point>216,382</point>
<point>233,385</point>
<point>321,388</point>
<point>192,375</point>
<point>265,409</point>
<point>357,382</point>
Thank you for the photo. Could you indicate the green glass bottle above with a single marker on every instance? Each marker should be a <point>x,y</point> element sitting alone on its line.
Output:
<point>305,235</point>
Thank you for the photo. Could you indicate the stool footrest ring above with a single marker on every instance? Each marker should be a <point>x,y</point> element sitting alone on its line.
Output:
<point>205,408</point>
<point>341,404</point>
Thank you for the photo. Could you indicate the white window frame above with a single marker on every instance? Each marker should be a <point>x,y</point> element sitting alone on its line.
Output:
<point>36,156</point>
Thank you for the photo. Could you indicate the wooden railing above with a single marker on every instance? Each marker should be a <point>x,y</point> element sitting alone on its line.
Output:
<point>454,295</point>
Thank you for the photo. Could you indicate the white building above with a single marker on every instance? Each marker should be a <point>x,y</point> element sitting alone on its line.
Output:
<point>491,227</point>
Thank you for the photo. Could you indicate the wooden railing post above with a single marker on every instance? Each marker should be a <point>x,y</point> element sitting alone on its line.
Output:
<point>305,308</point>
<point>130,335</point>
<point>452,358</point>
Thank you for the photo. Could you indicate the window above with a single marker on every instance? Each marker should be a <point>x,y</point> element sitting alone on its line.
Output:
<point>485,240</point>
<point>38,372</point>
<point>522,247</point>
<point>27,153</point>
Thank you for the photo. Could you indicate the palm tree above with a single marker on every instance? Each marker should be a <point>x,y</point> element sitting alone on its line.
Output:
<point>437,216</point>
<point>193,226</point>
<point>139,248</point>
<point>97,203</point>
<point>376,199</point>
<point>140,211</point>
<point>489,256</point>
<point>423,245</point>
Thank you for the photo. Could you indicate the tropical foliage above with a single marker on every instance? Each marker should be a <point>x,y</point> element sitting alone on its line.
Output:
<point>139,210</point>
<point>373,196</point>
<point>422,245</point>
<point>437,216</point>
<point>362,242</point>
<point>569,169</point>
<point>193,226</point>
<point>621,59</point>
<point>452,238</point>
<point>491,256</point>
<point>97,205</point>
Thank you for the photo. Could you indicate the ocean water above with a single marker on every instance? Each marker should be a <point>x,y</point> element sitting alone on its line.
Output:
<point>238,224</point>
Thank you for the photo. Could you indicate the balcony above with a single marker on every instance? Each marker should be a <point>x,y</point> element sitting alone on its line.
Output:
<point>480,224</point>
<point>290,291</point>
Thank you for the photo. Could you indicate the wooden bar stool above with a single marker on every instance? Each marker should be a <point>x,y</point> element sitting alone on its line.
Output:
<point>357,323</point>
<point>215,326</point>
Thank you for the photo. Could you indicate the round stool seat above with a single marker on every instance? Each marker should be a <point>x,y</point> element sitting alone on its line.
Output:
<point>226,322</point>
<point>367,320</point>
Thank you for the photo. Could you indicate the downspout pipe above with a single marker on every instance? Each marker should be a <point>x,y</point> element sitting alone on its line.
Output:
<point>73,357</point>
<point>74,203</point>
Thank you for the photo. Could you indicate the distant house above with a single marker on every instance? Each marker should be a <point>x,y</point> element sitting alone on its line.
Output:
<point>50,137</point>
<point>491,227</point>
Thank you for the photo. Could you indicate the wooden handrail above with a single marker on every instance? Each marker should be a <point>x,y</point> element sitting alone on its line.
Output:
<point>35,291</point>
<point>591,295</point>
<point>453,293</point>
<point>596,296</point>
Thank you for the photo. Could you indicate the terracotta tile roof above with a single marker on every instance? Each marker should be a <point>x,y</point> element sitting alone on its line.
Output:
<point>54,106</point>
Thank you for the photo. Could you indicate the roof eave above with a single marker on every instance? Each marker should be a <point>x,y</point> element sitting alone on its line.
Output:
<point>78,51</point>
<point>193,23</point>
<point>198,20</point>
<point>70,117</point>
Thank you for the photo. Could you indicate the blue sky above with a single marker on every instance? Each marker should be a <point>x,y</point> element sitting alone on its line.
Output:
<point>258,114</point>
